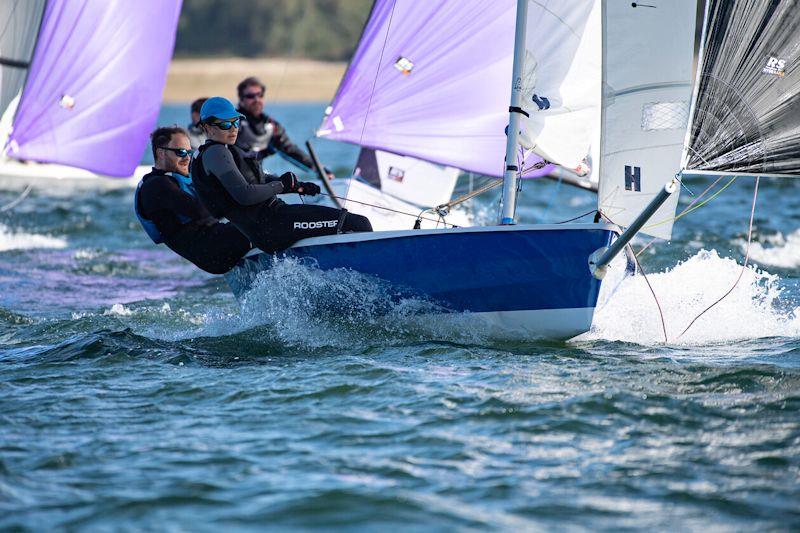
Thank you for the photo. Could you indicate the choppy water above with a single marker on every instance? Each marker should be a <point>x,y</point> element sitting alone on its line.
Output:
<point>136,393</point>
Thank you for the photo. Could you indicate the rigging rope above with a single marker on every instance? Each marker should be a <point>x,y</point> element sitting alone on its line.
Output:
<point>14,203</point>
<point>689,208</point>
<point>649,286</point>
<point>744,264</point>
<point>472,194</point>
<point>416,216</point>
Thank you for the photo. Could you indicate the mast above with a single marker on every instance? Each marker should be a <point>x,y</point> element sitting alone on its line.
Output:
<point>509,204</point>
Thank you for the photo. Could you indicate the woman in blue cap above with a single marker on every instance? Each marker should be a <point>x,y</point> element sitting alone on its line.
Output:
<point>232,184</point>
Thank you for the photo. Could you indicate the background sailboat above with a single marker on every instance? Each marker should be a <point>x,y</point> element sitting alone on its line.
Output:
<point>88,76</point>
<point>434,96</point>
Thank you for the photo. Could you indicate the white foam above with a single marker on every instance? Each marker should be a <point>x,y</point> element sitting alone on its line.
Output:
<point>754,309</point>
<point>307,306</point>
<point>779,251</point>
<point>118,310</point>
<point>11,240</point>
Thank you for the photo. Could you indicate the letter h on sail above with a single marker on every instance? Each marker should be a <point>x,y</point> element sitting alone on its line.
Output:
<point>633,178</point>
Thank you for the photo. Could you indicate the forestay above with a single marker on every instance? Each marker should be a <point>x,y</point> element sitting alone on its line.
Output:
<point>747,116</point>
<point>430,80</point>
<point>647,87</point>
<point>94,88</point>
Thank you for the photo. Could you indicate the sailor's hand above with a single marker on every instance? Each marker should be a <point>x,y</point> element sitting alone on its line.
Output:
<point>308,188</point>
<point>289,182</point>
<point>328,173</point>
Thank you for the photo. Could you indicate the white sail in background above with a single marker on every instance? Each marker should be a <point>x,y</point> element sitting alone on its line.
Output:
<point>561,84</point>
<point>409,179</point>
<point>647,88</point>
<point>19,22</point>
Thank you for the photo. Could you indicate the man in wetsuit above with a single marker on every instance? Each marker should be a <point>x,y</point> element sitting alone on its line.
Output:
<point>168,207</point>
<point>231,184</point>
<point>196,135</point>
<point>262,134</point>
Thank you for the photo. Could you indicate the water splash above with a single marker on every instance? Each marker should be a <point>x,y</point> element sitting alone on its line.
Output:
<point>13,240</point>
<point>778,251</point>
<point>755,308</point>
<point>340,307</point>
<point>295,303</point>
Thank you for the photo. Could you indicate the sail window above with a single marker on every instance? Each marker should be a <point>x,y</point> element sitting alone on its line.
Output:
<point>665,115</point>
<point>404,65</point>
<point>67,102</point>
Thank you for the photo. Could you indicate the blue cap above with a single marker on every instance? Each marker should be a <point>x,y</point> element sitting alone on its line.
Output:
<point>219,108</point>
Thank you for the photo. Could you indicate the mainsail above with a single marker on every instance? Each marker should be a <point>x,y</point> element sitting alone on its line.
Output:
<point>647,88</point>
<point>747,115</point>
<point>430,80</point>
<point>93,90</point>
<point>561,84</point>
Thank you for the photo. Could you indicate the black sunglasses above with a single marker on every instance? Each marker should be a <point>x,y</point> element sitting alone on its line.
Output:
<point>226,124</point>
<point>250,96</point>
<point>180,152</point>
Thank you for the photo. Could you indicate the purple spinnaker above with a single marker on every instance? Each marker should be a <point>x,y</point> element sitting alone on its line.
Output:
<point>94,89</point>
<point>452,107</point>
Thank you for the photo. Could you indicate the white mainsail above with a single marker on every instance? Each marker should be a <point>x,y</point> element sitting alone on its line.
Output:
<point>647,87</point>
<point>561,84</point>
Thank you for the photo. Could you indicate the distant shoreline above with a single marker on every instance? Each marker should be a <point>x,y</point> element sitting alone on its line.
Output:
<point>298,80</point>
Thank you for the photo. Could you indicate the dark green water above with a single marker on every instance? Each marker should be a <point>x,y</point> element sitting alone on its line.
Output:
<point>136,393</point>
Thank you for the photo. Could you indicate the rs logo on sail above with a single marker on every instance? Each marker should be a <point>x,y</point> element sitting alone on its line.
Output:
<point>775,66</point>
<point>633,178</point>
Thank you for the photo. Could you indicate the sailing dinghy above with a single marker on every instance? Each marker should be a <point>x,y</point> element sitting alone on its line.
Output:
<point>614,76</point>
<point>433,76</point>
<point>80,88</point>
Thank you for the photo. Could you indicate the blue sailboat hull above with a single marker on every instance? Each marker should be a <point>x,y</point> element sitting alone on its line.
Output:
<point>532,281</point>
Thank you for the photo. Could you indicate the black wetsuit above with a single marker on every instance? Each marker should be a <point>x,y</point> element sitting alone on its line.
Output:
<point>231,184</point>
<point>187,227</point>
<point>265,136</point>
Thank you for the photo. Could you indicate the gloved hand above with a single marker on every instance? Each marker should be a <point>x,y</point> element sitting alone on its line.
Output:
<point>308,188</point>
<point>289,182</point>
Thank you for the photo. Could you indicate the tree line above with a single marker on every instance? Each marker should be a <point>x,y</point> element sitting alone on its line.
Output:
<point>315,29</point>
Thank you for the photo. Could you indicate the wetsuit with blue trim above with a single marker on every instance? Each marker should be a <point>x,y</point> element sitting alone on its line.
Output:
<point>266,136</point>
<point>231,184</point>
<point>167,205</point>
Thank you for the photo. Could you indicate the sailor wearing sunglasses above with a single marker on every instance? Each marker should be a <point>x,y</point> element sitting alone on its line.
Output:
<point>170,212</point>
<point>262,134</point>
<point>232,185</point>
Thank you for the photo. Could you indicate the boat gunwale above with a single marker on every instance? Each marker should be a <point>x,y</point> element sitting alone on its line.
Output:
<point>349,238</point>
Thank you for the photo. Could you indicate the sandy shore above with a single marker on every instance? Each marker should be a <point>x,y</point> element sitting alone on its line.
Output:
<point>286,80</point>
